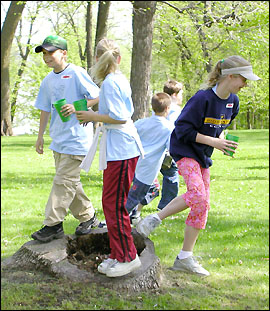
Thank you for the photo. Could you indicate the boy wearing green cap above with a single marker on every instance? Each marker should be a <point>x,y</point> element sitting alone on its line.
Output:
<point>70,140</point>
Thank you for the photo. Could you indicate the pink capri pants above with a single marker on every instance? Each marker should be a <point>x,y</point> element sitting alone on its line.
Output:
<point>197,180</point>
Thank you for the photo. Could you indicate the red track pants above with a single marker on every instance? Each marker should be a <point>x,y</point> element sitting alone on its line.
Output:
<point>117,179</point>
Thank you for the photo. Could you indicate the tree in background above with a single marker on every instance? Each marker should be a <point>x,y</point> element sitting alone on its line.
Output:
<point>102,21</point>
<point>102,27</point>
<point>189,38</point>
<point>88,30</point>
<point>23,52</point>
<point>142,25</point>
<point>7,34</point>
<point>66,19</point>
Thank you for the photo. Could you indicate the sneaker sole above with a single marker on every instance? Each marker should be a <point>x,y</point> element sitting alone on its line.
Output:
<point>93,225</point>
<point>102,271</point>
<point>49,239</point>
<point>112,274</point>
<point>83,233</point>
<point>188,271</point>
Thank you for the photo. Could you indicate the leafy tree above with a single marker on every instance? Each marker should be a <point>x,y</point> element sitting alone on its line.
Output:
<point>184,41</point>
<point>204,32</point>
<point>68,22</point>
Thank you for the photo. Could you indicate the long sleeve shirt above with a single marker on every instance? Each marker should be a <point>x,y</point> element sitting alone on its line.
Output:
<point>204,113</point>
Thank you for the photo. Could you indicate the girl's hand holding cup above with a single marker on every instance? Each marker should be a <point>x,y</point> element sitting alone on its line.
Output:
<point>232,144</point>
<point>85,116</point>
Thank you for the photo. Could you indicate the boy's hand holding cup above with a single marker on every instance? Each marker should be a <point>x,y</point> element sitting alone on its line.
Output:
<point>63,109</point>
<point>67,110</point>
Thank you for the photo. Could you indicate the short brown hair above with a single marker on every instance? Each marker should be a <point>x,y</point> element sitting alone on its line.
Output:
<point>160,102</point>
<point>172,86</point>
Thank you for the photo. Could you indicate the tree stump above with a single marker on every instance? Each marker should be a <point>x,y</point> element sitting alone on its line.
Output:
<point>77,258</point>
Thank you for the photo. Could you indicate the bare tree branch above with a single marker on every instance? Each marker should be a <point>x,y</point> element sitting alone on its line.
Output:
<point>190,6</point>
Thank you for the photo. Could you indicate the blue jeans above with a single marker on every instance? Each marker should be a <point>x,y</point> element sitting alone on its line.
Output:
<point>170,185</point>
<point>152,193</point>
<point>136,194</point>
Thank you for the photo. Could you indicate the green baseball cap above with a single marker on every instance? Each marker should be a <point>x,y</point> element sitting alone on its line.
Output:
<point>52,43</point>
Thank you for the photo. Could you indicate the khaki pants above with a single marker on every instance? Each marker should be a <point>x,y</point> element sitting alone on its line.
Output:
<point>67,192</point>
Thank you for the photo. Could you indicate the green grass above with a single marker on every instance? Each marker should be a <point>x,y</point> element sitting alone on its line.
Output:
<point>234,246</point>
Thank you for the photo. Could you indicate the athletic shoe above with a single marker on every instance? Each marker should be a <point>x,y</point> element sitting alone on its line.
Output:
<point>135,217</point>
<point>103,267</point>
<point>152,193</point>
<point>147,225</point>
<point>123,268</point>
<point>190,265</point>
<point>47,234</point>
<point>102,224</point>
<point>85,227</point>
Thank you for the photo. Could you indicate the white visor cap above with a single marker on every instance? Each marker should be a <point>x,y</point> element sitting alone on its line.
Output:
<point>245,71</point>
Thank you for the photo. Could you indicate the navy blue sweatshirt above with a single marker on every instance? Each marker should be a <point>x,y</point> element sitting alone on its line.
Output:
<point>204,113</point>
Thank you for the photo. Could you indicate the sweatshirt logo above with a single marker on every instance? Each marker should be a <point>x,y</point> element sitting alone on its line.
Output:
<point>216,122</point>
<point>66,77</point>
<point>229,105</point>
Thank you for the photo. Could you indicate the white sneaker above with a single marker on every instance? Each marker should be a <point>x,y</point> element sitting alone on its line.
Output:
<point>135,218</point>
<point>103,267</point>
<point>189,264</point>
<point>123,268</point>
<point>147,225</point>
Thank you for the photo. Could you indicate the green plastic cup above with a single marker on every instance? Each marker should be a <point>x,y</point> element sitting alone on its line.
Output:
<point>80,105</point>
<point>233,138</point>
<point>58,106</point>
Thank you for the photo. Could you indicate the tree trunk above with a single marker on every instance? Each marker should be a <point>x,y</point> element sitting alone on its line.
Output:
<point>88,47</point>
<point>142,24</point>
<point>248,120</point>
<point>234,124</point>
<point>7,34</point>
<point>102,27</point>
<point>76,259</point>
<point>253,119</point>
<point>16,89</point>
<point>102,20</point>
<point>24,56</point>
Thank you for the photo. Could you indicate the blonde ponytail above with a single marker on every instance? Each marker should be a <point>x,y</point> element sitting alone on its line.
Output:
<point>107,52</point>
